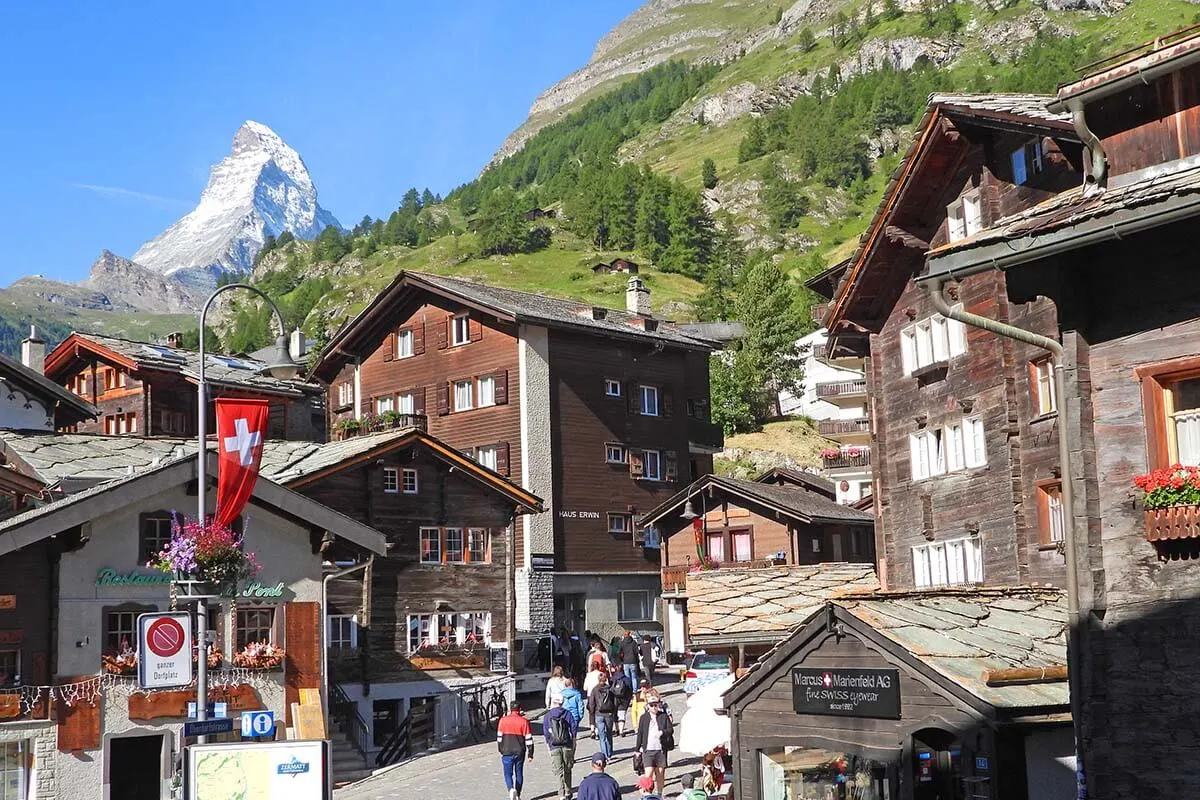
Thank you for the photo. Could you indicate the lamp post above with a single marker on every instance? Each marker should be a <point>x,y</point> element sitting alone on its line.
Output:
<point>281,366</point>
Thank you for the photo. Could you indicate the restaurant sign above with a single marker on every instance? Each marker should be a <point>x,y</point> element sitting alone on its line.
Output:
<point>110,577</point>
<point>846,692</point>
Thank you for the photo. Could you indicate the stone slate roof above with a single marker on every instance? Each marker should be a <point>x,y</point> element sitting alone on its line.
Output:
<point>764,604</point>
<point>1031,106</point>
<point>800,504</point>
<point>34,383</point>
<point>239,372</point>
<point>286,461</point>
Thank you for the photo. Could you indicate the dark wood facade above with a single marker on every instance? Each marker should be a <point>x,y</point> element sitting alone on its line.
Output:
<point>28,606</point>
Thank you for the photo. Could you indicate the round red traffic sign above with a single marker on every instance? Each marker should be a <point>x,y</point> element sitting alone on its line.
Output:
<point>164,637</point>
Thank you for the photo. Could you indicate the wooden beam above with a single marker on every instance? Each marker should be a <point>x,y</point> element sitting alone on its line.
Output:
<point>898,235</point>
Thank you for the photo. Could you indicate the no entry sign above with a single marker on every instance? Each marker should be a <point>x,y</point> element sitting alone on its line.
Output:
<point>164,650</point>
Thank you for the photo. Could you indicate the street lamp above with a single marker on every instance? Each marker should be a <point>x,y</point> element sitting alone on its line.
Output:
<point>281,366</point>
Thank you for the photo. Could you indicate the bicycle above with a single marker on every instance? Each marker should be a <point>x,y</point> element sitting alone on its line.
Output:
<point>497,706</point>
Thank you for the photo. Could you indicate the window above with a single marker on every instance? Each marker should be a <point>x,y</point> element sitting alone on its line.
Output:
<point>614,453</point>
<point>1050,514</point>
<point>487,391</point>
<point>431,545</point>
<point>690,407</point>
<point>255,625</point>
<point>455,554</point>
<point>462,330</point>
<point>10,676</point>
<point>651,466</point>
<point>342,632</point>
<point>959,445</point>
<point>410,481</point>
<point>345,394</point>
<point>964,216</point>
<point>1026,162</point>
<point>153,537</point>
<point>974,442</point>
<point>633,606</point>
<point>462,395</point>
<point>956,227</point>
<point>612,387</point>
<point>122,379</point>
<point>618,523</point>
<point>404,344</point>
<point>486,456</point>
<point>172,421</point>
<point>404,403</point>
<point>951,563</point>
<point>110,380</point>
<point>449,630</point>
<point>742,550</point>
<point>120,630</point>
<point>14,760</point>
<point>1041,384</point>
<point>972,213</point>
<point>110,425</point>
<point>384,404</point>
<point>391,480</point>
<point>714,547</point>
<point>928,457</point>
<point>650,401</point>
<point>477,545</point>
<point>931,341</point>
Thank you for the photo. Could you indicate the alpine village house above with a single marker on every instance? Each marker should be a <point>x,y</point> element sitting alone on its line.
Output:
<point>601,413</point>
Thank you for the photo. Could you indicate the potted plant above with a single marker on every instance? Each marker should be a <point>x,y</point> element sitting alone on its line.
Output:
<point>209,555</point>
<point>1171,502</point>
<point>348,427</point>
<point>259,655</point>
<point>391,419</point>
<point>214,656</point>
<point>830,452</point>
<point>123,662</point>
<point>370,422</point>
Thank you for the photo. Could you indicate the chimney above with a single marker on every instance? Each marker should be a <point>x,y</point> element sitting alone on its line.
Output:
<point>175,339</point>
<point>637,297</point>
<point>296,345</point>
<point>33,351</point>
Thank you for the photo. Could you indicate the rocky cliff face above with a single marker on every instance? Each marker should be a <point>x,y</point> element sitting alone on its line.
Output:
<point>261,188</point>
<point>138,288</point>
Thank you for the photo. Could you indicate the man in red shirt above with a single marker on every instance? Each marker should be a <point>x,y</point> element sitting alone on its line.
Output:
<point>514,739</point>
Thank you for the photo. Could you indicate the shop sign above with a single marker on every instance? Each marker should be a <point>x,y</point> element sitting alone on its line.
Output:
<point>846,692</point>
<point>8,602</point>
<point>579,514</point>
<point>541,562</point>
<point>259,591</point>
<point>110,577</point>
<point>498,662</point>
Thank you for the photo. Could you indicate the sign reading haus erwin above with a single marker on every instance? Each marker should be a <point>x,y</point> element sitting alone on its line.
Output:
<point>846,692</point>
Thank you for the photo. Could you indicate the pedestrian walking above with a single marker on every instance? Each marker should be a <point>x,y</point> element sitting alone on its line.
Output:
<point>597,657</point>
<point>602,705</point>
<point>637,706</point>
<point>573,700</point>
<point>589,685</point>
<point>656,738</point>
<point>514,739</point>
<point>629,658</point>
<point>599,785</point>
<point>561,730</point>
<point>554,686</point>
<point>647,652</point>
<point>623,691</point>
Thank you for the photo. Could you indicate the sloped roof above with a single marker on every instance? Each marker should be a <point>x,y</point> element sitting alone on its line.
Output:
<point>1031,107</point>
<point>802,505</point>
<point>763,604</point>
<point>34,383</point>
<point>797,477</point>
<point>240,372</point>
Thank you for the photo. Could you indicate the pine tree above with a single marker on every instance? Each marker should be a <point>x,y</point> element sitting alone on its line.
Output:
<point>651,233</point>
<point>708,173</point>
<point>807,41</point>
<point>691,230</point>
<point>620,201</point>
<point>767,306</point>
<point>410,204</point>
<point>502,228</point>
<point>716,301</point>
<point>427,198</point>
<point>754,144</point>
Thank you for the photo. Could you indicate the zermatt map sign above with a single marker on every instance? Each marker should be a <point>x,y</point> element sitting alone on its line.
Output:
<point>164,650</point>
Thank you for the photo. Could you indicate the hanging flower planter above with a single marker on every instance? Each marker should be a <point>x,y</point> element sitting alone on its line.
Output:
<point>1171,499</point>
<point>259,655</point>
<point>124,662</point>
<point>209,557</point>
<point>214,656</point>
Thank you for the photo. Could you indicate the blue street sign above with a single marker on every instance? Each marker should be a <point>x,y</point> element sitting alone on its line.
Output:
<point>257,723</point>
<point>207,727</point>
<point>981,763</point>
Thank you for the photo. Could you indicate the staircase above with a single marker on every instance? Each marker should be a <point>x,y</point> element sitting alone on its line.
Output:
<point>348,734</point>
<point>348,764</point>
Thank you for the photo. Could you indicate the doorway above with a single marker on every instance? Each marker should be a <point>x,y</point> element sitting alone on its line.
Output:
<point>937,766</point>
<point>135,767</point>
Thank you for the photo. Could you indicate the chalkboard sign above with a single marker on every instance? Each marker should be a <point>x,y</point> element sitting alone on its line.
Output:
<point>541,562</point>
<point>846,692</point>
<point>499,660</point>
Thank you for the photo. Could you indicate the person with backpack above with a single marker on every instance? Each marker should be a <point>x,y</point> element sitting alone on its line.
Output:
<point>560,729</point>
<point>630,657</point>
<point>623,691</point>
<point>602,705</point>
<point>656,738</point>
<point>690,790</point>
<point>514,740</point>
<point>573,701</point>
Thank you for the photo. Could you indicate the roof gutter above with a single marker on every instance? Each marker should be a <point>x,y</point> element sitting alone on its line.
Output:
<point>1069,100</point>
<point>1065,404</point>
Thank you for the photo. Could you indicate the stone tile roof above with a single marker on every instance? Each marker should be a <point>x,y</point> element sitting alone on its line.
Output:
<point>801,504</point>
<point>286,461</point>
<point>236,371</point>
<point>27,380</point>
<point>52,457</point>
<point>764,604</point>
<point>1032,106</point>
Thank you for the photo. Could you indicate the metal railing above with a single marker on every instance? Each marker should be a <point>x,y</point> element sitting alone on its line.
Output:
<point>471,711</point>
<point>345,713</point>
<point>839,427</point>
<point>841,388</point>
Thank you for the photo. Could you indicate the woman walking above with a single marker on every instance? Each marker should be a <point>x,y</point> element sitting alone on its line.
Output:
<point>656,738</point>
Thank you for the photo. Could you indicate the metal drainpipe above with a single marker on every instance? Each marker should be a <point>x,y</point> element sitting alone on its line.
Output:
<point>1074,670</point>
<point>323,639</point>
<point>1095,172</point>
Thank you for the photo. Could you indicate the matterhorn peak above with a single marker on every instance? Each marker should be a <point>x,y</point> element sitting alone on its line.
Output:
<point>262,187</point>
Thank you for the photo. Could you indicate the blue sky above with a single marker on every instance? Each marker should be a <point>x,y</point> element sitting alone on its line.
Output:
<point>112,113</point>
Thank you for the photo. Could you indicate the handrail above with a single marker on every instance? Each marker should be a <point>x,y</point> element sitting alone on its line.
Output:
<point>399,744</point>
<point>353,724</point>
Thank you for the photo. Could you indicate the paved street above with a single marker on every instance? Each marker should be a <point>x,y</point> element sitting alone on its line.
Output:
<point>474,771</point>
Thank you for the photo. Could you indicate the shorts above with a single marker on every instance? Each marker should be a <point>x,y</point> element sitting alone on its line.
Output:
<point>654,758</point>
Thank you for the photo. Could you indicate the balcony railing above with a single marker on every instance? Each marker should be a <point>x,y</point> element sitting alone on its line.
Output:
<point>372,423</point>
<point>841,388</point>
<point>821,352</point>
<point>844,459</point>
<point>841,427</point>
<point>674,579</point>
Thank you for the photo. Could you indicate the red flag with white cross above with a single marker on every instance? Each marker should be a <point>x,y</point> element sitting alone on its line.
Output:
<point>241,431</point>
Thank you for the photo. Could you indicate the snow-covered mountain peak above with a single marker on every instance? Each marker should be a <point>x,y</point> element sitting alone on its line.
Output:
<point>262,187</point>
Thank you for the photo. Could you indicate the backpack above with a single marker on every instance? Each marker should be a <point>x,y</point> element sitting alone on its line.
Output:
<point>560,731</point>
<point>621,687</point>
<point>606,701</point>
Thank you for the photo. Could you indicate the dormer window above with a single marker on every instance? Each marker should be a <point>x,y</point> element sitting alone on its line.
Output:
<point>964,216</point>
<point>1027,162</point>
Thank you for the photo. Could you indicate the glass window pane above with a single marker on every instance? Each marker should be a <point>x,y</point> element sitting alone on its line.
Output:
<point>716,547</point>
<point>741,546</point>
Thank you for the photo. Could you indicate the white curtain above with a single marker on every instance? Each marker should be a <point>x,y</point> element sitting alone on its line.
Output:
<point>1187,436</point>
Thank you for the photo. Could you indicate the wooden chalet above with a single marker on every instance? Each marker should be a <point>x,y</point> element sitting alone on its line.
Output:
<point>29,401</point>
<point>622,265</point>
<point>782,538</point>
<point>150,389</point>
<point>601,412</point>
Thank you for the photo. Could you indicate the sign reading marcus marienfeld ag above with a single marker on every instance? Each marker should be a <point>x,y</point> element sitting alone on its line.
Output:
<point>846,692</point>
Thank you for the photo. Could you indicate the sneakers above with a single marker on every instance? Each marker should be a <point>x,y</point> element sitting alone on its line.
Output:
<point>512,794</point>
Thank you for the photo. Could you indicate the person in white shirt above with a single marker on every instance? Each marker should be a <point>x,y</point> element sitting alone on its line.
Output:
<point>555,686</point>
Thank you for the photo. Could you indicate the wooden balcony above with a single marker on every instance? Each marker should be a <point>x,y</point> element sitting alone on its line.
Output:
<point>855,391</point>
<point>843,460</point>
<point>674,580</point>
<point>350,427</point>
<point>834,428</point>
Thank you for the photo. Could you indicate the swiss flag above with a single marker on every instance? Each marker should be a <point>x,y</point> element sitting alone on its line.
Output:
<point>241,430</point>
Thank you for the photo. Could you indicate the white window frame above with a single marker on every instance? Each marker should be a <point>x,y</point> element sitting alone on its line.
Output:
<point>972,212</point>
<point>956,224</point>
<point>650,393</point>
<point>484,536</point>
<point>487,456</point>
<point>622,610</point>
<point>619,523</point>
<point>651,457</point>
<point>405,404</point>
<point>974,443</point>
<point>1045,392</point>
<point>954,562</point>
<point>391,480</point>
<point>612,387</point>
<point>461,533</point>
<point>410,483</point>
<point>437,538</point>
<point>345,394</point>
<point>461,324</point>
<point>485,391</point>
<point>464,627</point>
<point>615,453</point>
<point>404,343</point>
<point>340,642</point>
<point>461,402</point>
<point>385,404</point>
<point>933,340</point>
<point>15,762</point>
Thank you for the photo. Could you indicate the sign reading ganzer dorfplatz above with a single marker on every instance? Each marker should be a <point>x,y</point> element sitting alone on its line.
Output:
<point>846,692</point>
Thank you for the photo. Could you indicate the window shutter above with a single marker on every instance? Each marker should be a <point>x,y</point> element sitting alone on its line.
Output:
<point>418,400</point>
<point>443,333</point>
<point>443,391</point>
<point>501,386</point>
<point>389,347</point>
<point>668,404</point>
<point>302,641</point>
<point>475,329</point>
<point>672,472</point>
<point>502,458</point>
<point>636,466</point>
<point>418,332</point>
<point>78,723</point>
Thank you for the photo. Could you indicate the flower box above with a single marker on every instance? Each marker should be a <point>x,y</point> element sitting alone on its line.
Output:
<point>1176,522</point>
<point>260,656</point>
<point>448,661</point>
<point>1171,503</point>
